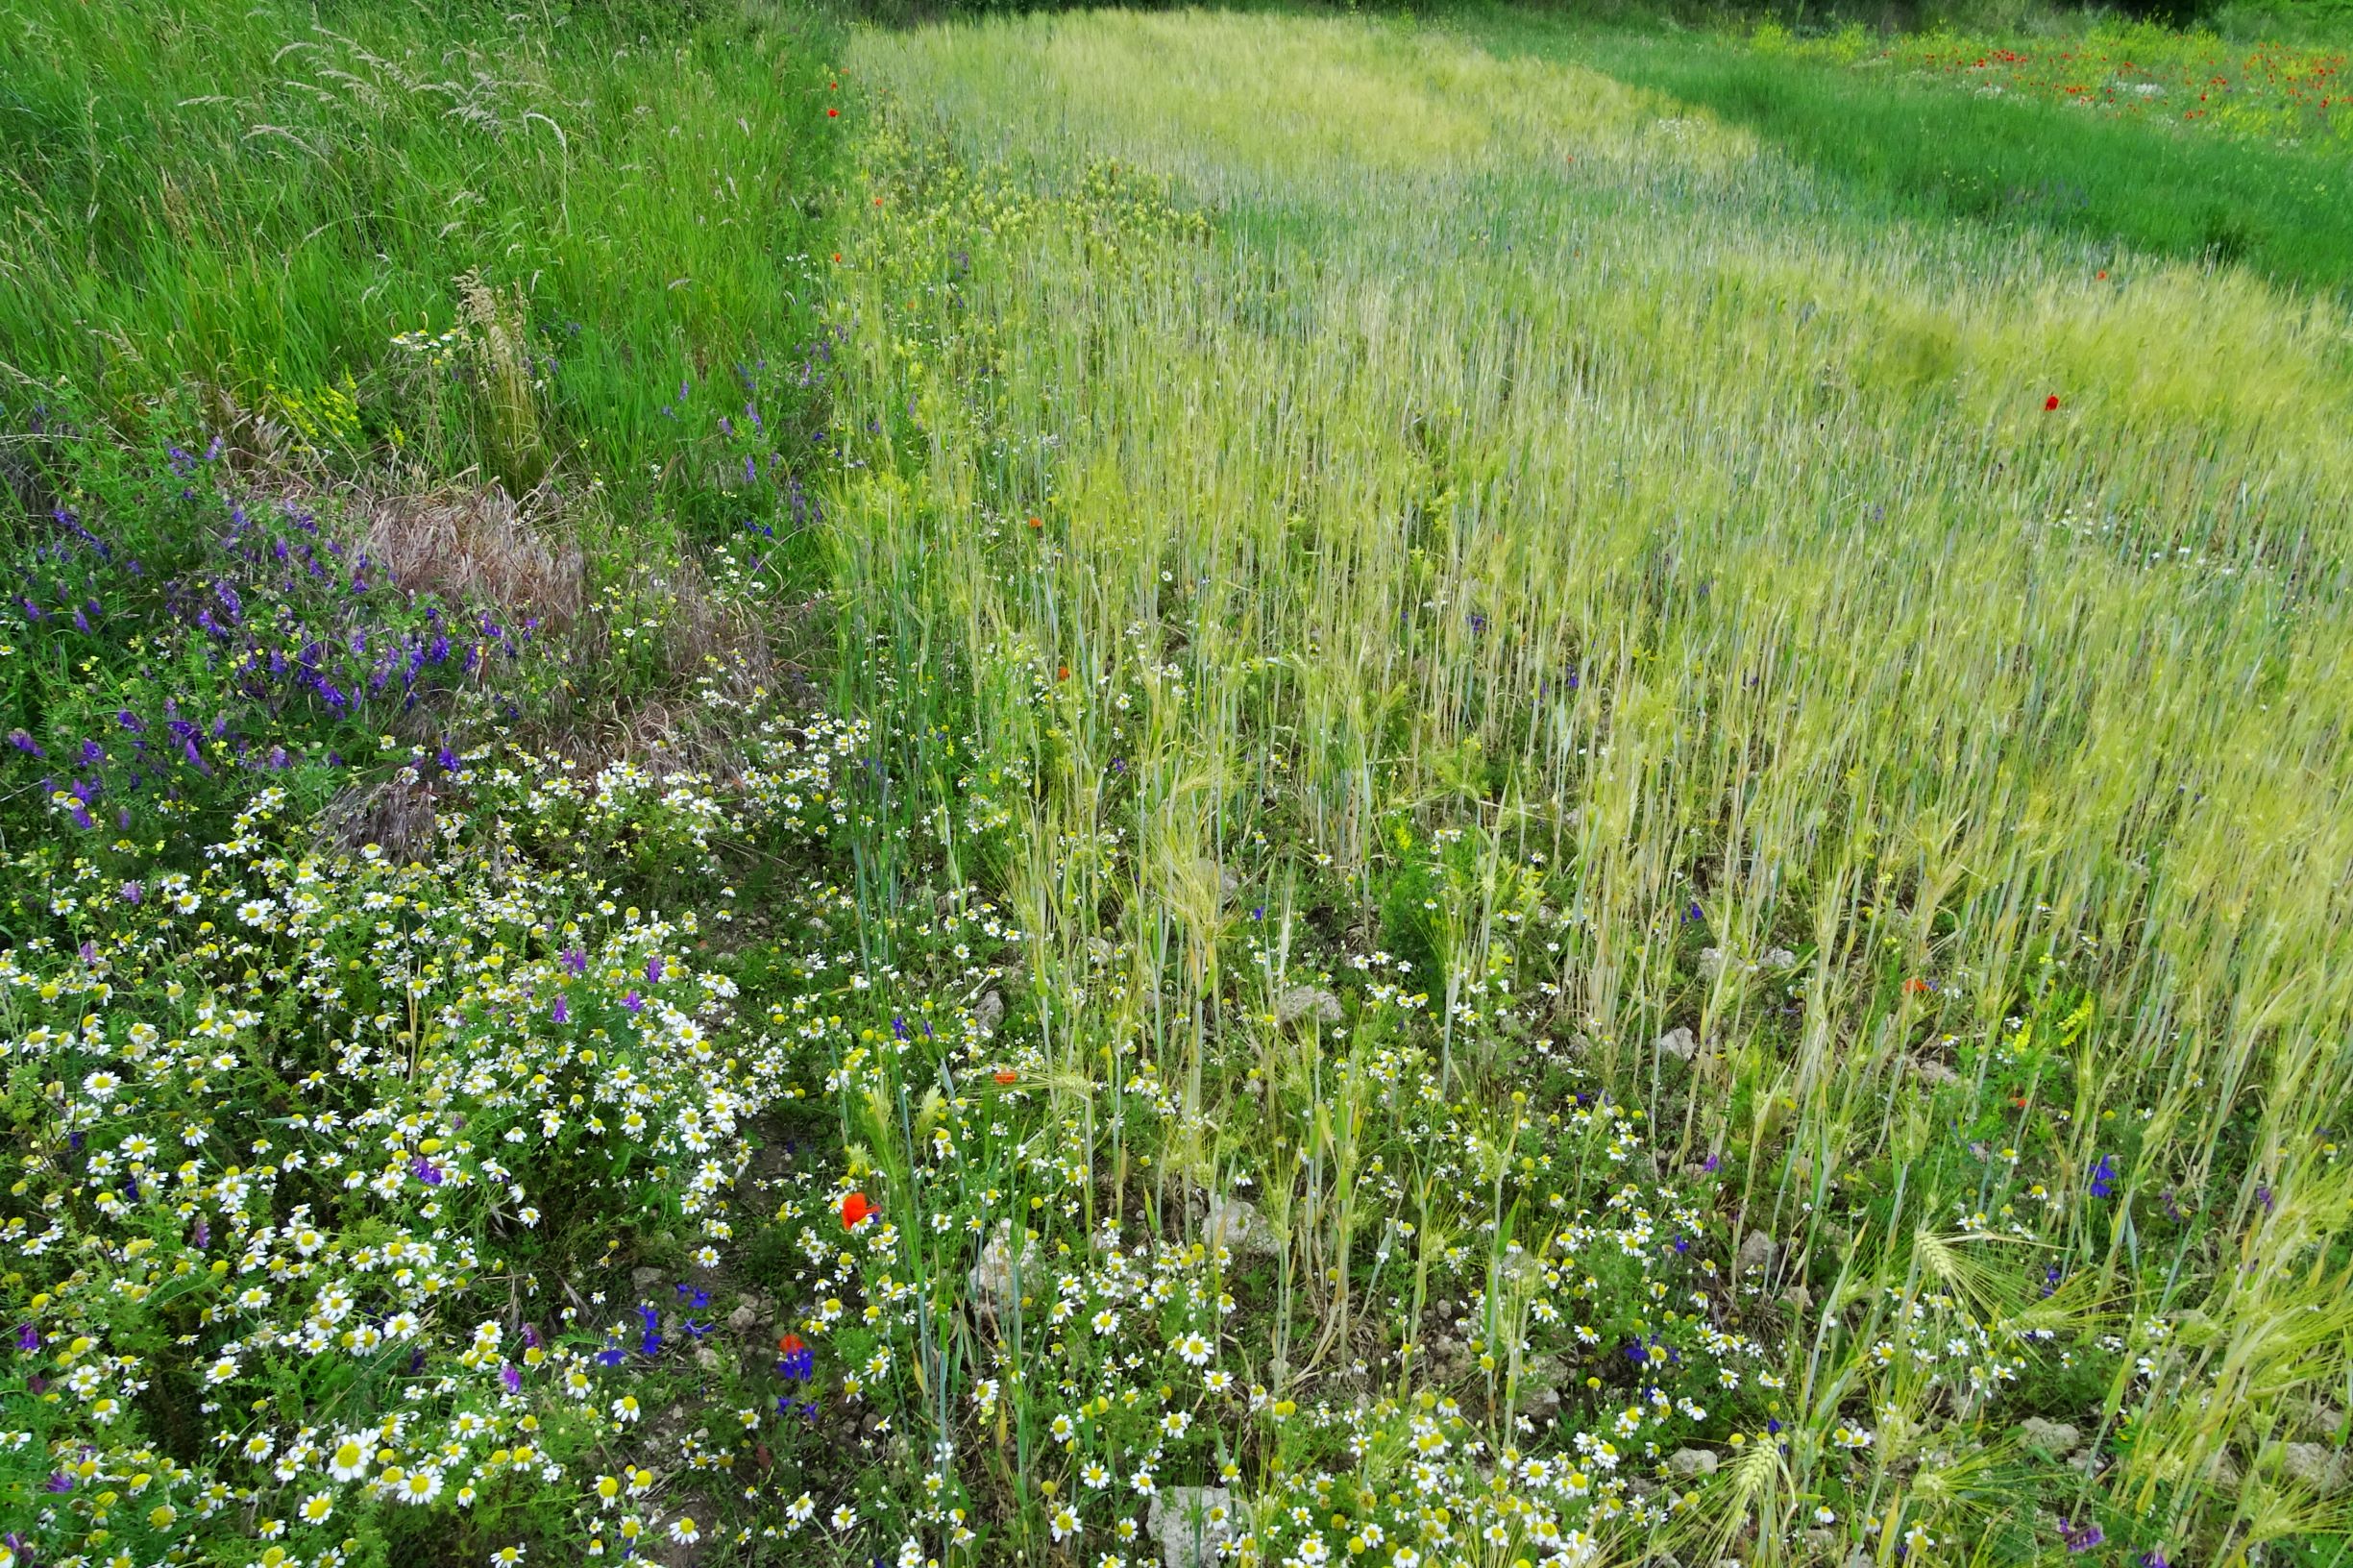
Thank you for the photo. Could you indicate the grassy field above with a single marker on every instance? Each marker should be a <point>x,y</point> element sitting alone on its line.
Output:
<point>2173,144</point>
<point>1666,637</point>
<point>1123,788</point>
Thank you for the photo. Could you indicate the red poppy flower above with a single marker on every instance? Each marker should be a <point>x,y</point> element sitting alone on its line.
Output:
<point>1006,1076</point>
<point>790,1343</point>
<point>1036,524</point>
<point>854,1211</point>
<point>837,256</point>
<point>1916,985</point>
<point>1062,671</point>
<point>2050,403</point>
<point>833,113</point>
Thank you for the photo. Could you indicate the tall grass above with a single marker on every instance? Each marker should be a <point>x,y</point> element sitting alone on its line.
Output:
<point>258,200</point>
<point>1334,484</point>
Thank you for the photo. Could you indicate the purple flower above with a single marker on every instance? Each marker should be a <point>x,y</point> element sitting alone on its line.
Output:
<point>130,721</point>
<point>2103,1178</point>
<point>562,1011</point>
<point>202,1235</point>
<point>634,1002</point>
<point>653,970</point>
<point>94,753</point>
<point>576,960</point>
<point>2080,1537</point>
<point>2155,1558</point>
<point>431,1174</point>
<point>27,1337</point>
<point>511,1376</point>
<point>59,1481</point>
<point>25,742</point>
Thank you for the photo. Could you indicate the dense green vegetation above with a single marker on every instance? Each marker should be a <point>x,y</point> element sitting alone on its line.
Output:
<point>1087,788</point>
<point>2272,198</point>
<point>277,203</point>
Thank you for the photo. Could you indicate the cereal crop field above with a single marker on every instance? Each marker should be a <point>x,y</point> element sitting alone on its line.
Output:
<point>1281,787</point>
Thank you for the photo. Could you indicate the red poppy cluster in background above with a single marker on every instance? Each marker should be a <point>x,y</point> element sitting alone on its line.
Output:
<point>2282,92</point>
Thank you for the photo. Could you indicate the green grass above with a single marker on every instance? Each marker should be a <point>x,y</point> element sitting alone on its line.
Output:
<point>1486,777</point>
<point>1926,145</point>
<point>254,200</point>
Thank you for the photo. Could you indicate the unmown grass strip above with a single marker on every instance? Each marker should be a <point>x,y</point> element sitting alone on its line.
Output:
<point>1937,149</point>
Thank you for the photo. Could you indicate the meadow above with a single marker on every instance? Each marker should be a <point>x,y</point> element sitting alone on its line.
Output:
<point>1273,787</point>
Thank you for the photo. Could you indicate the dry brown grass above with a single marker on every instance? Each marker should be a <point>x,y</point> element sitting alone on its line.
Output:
<point>477,544</point>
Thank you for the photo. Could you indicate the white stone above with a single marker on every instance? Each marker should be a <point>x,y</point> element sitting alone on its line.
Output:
<point>1192,1523</point>
<point>1299,1001</point>
<point>991,1279</point>
<point>2314,1465</point>
<point>1236,1225</point>
<point>2054,1438</point>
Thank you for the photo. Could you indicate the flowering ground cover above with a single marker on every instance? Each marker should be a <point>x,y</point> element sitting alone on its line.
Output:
<point>2265,92</point>
<point>1364,799</point>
